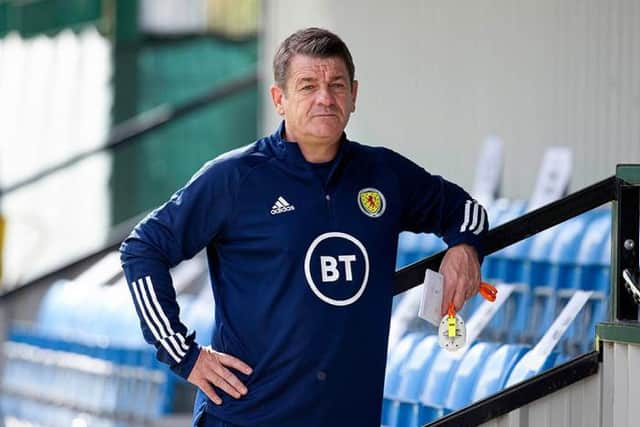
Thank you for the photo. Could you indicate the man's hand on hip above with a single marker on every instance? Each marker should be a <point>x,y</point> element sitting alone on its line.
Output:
<point>461,270</point>
<point>211,369</point>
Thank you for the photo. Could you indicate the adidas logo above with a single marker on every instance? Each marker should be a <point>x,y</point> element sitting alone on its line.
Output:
<point>281,206</point>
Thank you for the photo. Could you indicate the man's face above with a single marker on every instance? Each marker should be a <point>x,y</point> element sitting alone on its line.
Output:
<point>317,99</point>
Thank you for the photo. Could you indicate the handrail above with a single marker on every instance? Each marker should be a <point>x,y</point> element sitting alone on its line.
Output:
<point>520,228</point>
<point>143,123</point>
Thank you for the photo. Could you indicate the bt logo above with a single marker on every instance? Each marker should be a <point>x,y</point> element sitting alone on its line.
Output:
<point>330,272</point>
<point>336,267</point>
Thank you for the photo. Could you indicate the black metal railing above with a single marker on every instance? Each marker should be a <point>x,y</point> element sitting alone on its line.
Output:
<point>520,228</point>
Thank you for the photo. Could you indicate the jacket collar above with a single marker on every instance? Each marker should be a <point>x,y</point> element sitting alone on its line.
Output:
<point>290,151</point>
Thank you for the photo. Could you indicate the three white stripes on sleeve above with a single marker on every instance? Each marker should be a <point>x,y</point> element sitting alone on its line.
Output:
<point>156,319</point>
<point>471,222</point>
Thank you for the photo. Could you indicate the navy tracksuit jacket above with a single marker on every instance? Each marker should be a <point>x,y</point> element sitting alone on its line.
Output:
<point>302,273</point>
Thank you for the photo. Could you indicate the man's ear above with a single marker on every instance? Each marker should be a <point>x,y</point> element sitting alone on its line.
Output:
<point>277,96</point>
<point>354,94</point>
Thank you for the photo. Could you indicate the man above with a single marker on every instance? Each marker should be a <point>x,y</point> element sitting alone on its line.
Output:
<point>301,232</point>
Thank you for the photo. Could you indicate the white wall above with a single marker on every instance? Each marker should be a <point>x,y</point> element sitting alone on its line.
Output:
<point>437,76</point>
<point>55,102</point>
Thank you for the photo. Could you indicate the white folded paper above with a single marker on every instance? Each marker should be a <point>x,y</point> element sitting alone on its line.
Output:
<point>431,297</point>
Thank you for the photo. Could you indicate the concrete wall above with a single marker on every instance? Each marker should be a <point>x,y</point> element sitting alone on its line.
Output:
<point>437,76</point>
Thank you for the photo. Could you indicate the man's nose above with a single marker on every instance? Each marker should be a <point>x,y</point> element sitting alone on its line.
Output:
<point>325,97</point>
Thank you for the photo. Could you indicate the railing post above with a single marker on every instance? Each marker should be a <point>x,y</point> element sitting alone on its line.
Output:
<point>623,325</point>
<point>624,241</point>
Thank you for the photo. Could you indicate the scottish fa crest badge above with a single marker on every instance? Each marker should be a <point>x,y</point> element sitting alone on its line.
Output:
<point>371,202</point>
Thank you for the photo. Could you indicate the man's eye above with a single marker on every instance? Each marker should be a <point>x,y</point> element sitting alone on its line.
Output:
<point>337,85</point>
<point>308,87</point>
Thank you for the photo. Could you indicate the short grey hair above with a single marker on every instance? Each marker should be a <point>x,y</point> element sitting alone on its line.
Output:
<point>315,42</point>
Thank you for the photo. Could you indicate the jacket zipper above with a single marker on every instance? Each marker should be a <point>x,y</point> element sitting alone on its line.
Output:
<point>328,204</point>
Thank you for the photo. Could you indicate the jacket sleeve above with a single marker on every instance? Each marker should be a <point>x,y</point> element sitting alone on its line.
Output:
<point>434,205</point>
<point>176,231</point>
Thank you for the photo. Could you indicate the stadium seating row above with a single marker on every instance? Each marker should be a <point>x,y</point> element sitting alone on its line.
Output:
<point>425,382</point>
<point>86,353</point>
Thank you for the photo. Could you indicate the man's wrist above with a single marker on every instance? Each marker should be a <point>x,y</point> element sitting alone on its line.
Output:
<point>184,368</point>
<point>466,247</point>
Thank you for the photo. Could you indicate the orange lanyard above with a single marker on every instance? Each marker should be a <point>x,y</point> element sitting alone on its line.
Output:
<point>487,291</point>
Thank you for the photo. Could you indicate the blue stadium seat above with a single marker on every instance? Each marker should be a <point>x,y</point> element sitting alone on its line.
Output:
<point>552,268</point>
<point>395,361</point>
<point>496,209</point>
<point>408,248</point>
<point>565,250</point>
<point>592,273</point>
<point>507,266</point>
<point>540,259</point>
<point>512,264</point>
<point>497,369</point>
<point>562,358</point>
<point>467,375</point>
<point>404,404</point>
<point>437,384</point>
<point>52,313</point>
<point>413,247</point>
<point>470,306</point>
<point>538,277</point>
<point>594,256</point>
<point>510,321</point>
<point>566,270</point>
<point>111,366</point>
<point>409,251</point>
<point>491,265</point>
<point>430,244</point>
<point>523,372</point>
